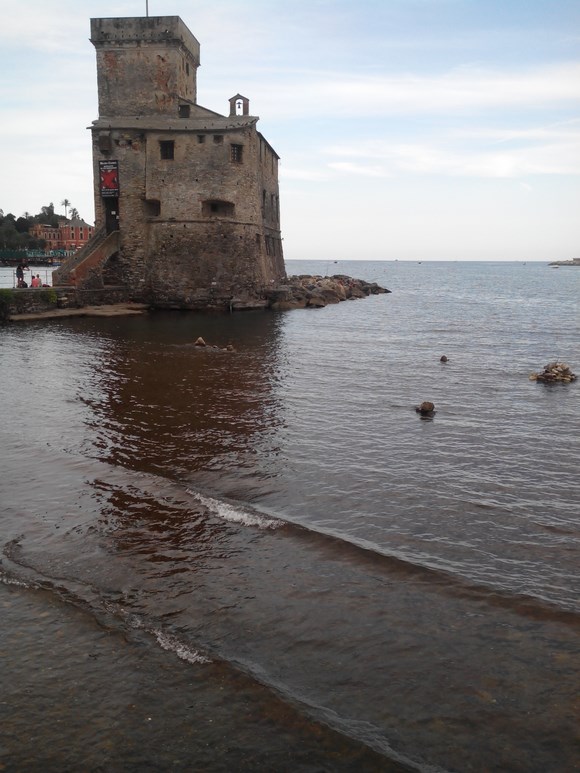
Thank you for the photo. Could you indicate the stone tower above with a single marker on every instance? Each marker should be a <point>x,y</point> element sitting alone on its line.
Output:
<point>187,199</point>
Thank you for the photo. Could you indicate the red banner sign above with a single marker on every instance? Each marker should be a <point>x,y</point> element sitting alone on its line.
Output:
<point>109,178</point>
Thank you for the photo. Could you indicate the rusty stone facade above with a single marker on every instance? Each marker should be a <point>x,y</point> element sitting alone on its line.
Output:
<point>197,206</point>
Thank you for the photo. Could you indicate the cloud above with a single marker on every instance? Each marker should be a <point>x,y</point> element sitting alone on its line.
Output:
<point>360,169</point>
<point>473,152</point>
<point>420,159</point>
<point>300,173</point>
<point>36,26</point>
<point>339,94</point>
<point>554,132</point>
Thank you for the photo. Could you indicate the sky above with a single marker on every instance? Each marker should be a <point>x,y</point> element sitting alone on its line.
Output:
<point>407,129</point>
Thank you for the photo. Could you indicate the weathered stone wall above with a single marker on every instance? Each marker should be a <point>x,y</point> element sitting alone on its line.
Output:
<point>34,301</point>
<point>272,253</point>
<point>173,243</point>
<point>20,301</point>
<point>144,64</point>
<point>98,297</point>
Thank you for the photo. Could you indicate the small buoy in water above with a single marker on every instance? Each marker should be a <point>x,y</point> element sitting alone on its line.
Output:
<point>200,342</point>
<point>444,359</point>
<point>426,408</point>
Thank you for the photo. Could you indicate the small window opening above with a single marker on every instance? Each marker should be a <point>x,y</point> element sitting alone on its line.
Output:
<point>105,144</point>
<point>201,138</point>
<point>184,111</point>
<point>237,151</point>
<point>167,149</point>
<point>152,208</point>
<point>217,208</point>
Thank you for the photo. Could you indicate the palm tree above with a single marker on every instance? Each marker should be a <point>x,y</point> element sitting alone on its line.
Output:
<point>66,204</point>
<point>74,214</point>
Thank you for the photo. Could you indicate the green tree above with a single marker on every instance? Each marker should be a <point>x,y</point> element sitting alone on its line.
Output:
<point>66,204</point>
<point>22,225</point>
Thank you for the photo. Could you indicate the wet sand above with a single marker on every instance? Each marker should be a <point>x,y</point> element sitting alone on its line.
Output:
<point>112,310</point>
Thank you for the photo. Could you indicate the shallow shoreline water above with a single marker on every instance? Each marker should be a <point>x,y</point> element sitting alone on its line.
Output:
<point>160,716</point>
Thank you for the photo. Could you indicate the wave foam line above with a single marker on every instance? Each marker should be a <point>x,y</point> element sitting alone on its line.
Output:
<point>171,644</point>
<point>234,514</point>
<point>92,606</point>
<point>5,579</point>
<point>166,641</point>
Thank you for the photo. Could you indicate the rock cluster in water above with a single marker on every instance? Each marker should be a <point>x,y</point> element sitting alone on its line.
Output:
<point>313,291</point>
<point>554,371</point>
<point>200,342</point>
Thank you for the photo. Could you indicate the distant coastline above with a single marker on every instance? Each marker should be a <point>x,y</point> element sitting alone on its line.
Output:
<point>573,262</point>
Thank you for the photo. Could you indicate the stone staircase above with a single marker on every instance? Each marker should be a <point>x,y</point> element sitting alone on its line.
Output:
<point>85,266</point>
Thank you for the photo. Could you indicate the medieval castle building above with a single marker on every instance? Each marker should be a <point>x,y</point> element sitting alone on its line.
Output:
<point>186,200</point>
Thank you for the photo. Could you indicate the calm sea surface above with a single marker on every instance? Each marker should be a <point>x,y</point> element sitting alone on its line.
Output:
<point>8,275</point>
<point>266,560</point>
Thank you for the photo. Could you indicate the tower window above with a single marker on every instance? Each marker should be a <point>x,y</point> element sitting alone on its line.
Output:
<point>217,208</point>
<point>201,138</point>
<point>236,153</point>
<point>184,111</point>
<point>105,144</point>
<point>167,149</point>
<point>152,207</point>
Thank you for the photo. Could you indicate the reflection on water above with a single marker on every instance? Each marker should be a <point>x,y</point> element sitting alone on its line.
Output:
<point>164,404</point>
<point>287,551</point>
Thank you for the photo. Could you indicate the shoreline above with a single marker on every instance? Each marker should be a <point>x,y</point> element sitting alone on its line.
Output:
<point>573,262</point>
<point>110,310</point>
<point>298,292</point>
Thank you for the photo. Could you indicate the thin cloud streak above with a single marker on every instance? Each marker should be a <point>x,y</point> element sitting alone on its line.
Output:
<point>421,159</point>
<point>343,95</point>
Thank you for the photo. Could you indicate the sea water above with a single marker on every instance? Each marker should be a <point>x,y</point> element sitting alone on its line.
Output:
<point>8,278</point>
<point>265,559</point>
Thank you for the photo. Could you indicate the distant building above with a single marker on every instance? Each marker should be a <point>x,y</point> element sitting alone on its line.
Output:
<point>69,235</point>
<point>186,200</point>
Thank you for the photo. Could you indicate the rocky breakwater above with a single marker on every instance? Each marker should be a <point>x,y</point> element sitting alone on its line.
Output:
<point>311,291</point>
